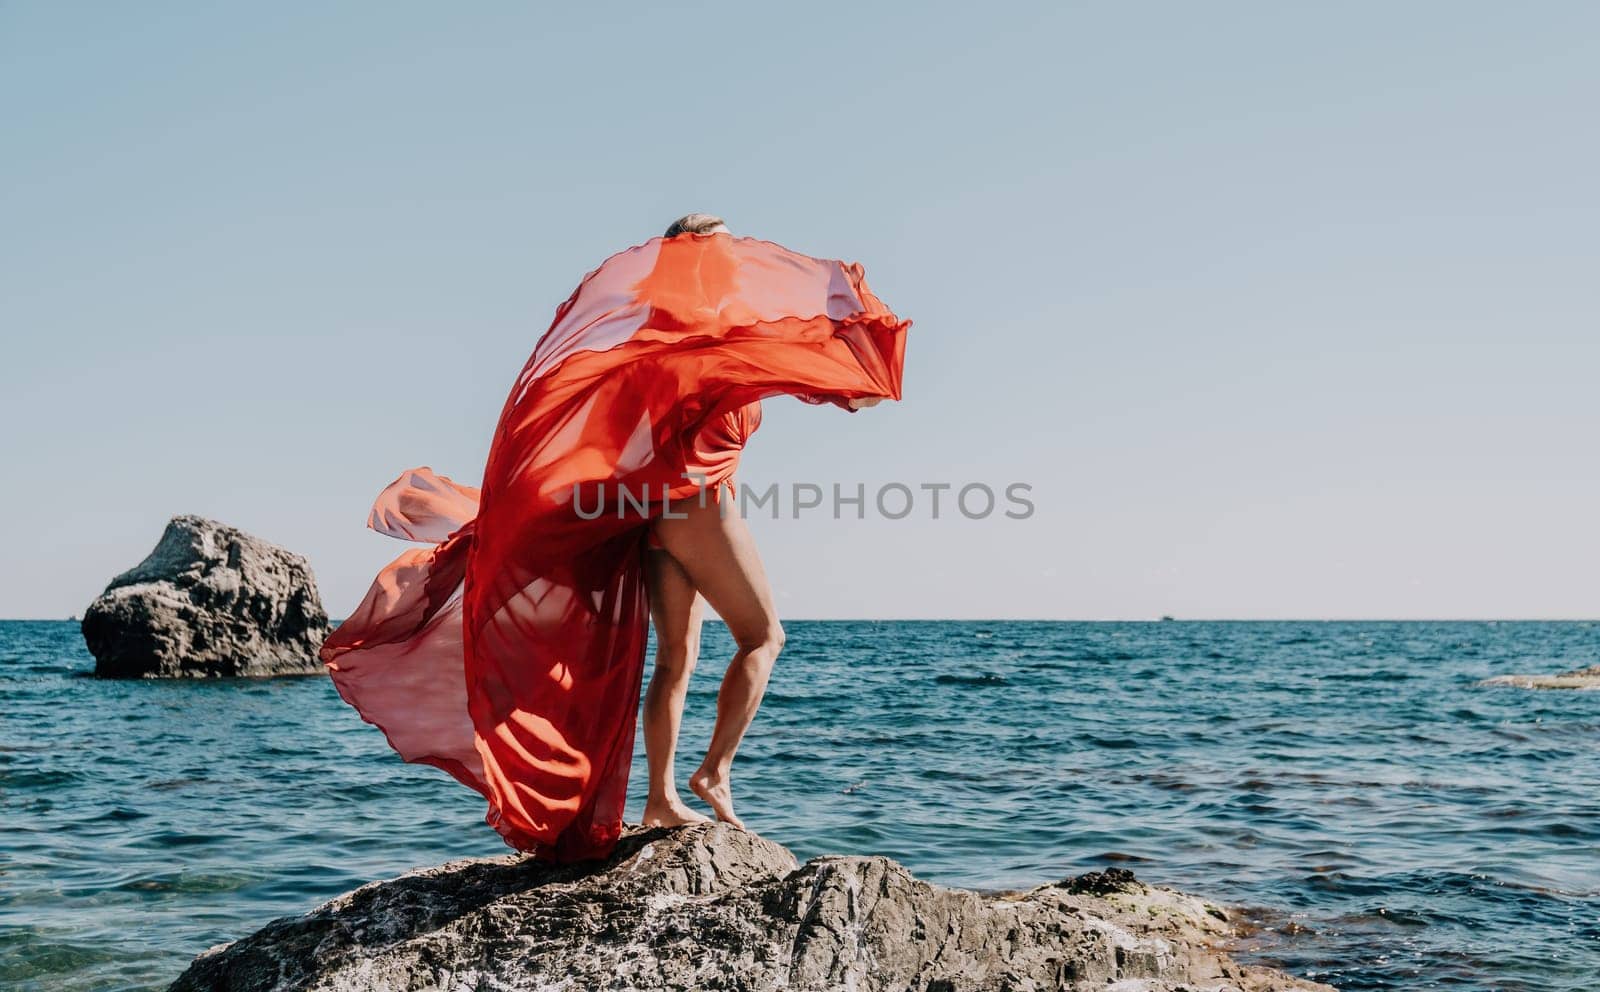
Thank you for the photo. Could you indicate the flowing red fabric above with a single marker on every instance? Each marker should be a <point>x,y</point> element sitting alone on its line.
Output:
<point>509,652</point>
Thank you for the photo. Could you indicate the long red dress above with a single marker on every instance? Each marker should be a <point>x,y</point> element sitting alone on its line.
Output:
<point>509,651</point>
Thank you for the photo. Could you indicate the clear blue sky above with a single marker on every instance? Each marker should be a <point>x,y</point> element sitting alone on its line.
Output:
<point>1283,309</point>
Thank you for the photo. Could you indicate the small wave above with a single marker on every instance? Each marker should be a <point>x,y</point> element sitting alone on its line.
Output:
<point>985,679</point>
<point>1119,857</point>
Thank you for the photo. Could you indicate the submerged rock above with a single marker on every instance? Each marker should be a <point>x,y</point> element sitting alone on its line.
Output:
<point>1583,678</point>
<point>210,600</point>
<point>712,907</point>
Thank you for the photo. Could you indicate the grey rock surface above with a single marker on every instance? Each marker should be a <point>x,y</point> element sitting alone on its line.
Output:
<point>209,601</point>
<point>711,907</point>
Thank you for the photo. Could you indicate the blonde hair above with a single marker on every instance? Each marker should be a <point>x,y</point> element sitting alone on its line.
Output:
<point>693,224</point>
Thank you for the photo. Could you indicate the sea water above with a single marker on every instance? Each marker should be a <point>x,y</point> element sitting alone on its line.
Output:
<point>1380,820</point>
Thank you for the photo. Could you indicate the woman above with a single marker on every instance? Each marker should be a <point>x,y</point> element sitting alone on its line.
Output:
<point>510,652</point>
<point>697,550</point>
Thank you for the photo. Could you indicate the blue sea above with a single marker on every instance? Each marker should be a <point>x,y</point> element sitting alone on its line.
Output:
<point>1381,820</point>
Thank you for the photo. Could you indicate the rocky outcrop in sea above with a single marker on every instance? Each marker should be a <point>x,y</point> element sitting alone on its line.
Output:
<point>1582,678</point>
<point>711,907</point>
<point>209,601</point>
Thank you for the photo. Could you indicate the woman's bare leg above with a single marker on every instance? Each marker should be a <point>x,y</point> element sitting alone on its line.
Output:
<point>719,555</point>
<point>675,609</point>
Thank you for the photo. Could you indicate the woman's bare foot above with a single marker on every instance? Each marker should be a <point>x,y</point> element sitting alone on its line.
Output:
<point>669,811</point>
<point>715,789</point>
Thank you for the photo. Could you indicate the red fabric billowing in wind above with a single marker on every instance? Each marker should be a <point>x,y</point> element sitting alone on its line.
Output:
<point>510,652</point>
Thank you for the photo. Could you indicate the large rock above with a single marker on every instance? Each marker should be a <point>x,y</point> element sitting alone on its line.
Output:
<point>712,907</point>
<point>210,600</point>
